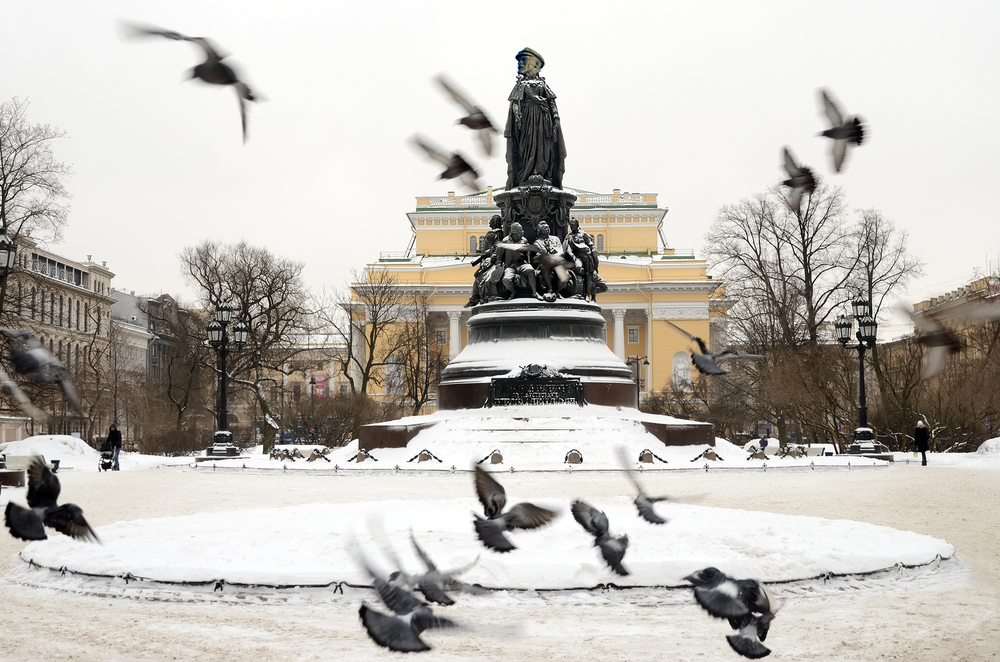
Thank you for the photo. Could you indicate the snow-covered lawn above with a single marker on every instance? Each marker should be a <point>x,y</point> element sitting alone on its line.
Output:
<point>74,454</point>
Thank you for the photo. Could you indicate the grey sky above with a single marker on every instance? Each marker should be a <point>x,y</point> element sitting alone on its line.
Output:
<point>689,100</point>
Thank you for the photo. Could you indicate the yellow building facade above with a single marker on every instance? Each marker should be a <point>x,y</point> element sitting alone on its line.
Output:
<point>649,283</point>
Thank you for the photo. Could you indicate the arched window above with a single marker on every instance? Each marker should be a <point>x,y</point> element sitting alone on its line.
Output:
<point>600,243</point>
<point>34,303</point>
<point>472,244</point>
<point>86,318</point>
<point>69,312</point>
<point>77,314</point>
<point>682,371</point>
<point>62,303</point>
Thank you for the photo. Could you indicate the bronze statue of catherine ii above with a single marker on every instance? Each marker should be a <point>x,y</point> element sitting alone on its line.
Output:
<point>534,137</point>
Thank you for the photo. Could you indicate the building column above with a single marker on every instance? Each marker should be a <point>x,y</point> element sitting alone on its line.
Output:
<point>454,333</point>
<point>619,337</point>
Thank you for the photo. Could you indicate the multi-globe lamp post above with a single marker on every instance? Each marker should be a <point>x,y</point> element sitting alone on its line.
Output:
<point>8,256</point>
<point>219,338</point>
<point>867,330</point>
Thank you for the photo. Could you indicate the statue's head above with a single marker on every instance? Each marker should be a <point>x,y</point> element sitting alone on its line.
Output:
<point>516,231</point>
<point>529,62</point>
<point>542,230</point>
<point>495,222</point>
<point>574,224</point>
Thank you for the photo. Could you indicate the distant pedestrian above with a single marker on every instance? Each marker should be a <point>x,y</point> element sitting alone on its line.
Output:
<point>115,440</point>
<point>763,443</point>
<point>921,437</point>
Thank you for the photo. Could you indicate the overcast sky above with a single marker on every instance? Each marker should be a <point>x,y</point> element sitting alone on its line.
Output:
<point>692,101</point>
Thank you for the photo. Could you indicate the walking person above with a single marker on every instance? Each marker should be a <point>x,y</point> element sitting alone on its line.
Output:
<point>115,440</point>
<point>921,437</point>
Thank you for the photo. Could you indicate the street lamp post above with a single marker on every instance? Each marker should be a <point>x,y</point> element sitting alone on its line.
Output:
<point>8,256</point>
<point>867,330</point>
<point>634,360</point>
<point>218,338</point>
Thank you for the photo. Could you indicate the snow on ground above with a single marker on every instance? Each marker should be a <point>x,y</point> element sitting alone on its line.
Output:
<point>257,546</point>
<point>76,455</point>
<point>930,615</point>
<point>990,447</point>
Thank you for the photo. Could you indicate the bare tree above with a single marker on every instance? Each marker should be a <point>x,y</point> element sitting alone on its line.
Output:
<point>366,318</point>
<point>271,300</point>
<point>32,181</point>
<point>418,358</point>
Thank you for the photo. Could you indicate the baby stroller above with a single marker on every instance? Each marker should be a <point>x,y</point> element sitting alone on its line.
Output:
<point>107,457</point>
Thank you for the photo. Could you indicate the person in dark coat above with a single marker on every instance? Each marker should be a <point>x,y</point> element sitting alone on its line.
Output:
<point>922,438</point>
<point>115,439</point>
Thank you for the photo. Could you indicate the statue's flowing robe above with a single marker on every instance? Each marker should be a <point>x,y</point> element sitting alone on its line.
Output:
<point>534,138</point>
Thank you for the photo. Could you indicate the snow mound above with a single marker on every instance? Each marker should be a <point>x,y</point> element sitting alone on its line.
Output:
<point>255,546</point>
<point>70,451</point>
<point>990,447</point>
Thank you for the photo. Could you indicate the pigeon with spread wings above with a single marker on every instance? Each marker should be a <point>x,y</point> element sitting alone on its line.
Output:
<point>938,340</point>
<point>399,632</point>
<point>10,388</point>
<point>498,521</point>
<point>800,180</point>
<point>595,522</point>
<point>454,163</point>
<point>32,359</point>
<point>748,605</point>
<point>213,70</point>
<point>843,132</point>
<point>643,502</point>
<point>476,118</point>
<point>707,362</point>
<point>43,509</point>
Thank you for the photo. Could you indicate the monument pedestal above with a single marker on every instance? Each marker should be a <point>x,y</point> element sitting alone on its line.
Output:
<point>565,336</point>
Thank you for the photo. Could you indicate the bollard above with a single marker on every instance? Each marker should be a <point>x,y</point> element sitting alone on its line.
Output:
<point>512,469</point>
<point>812,465</point>
<point>336,468</point>
<point>764,467</point>
<point>396,469</point>
<point>706,467</point>
<point>453,468</point>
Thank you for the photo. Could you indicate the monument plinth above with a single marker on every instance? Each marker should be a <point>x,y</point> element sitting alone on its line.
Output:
<point>566,336</point>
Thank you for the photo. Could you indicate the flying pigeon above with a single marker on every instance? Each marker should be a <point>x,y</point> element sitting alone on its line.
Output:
<point>938,340</point>
<point>433,583</point>
<point>476,118</point>
<point>521,516</point>
<point>746,603</point>
<point>552,261</point>
<point>213,70</point>
<point>643,502</point>
<point>455,164</point>
<point>43,493</point>
<point>595,522</point>
<point>800,180</point>
<point>707,362</point>
<point>400,632</point>
<point>841,131</point>
<point>10,388</point>
<point>32,359</point>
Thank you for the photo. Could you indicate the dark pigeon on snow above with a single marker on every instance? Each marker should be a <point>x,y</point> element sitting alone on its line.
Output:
<point>800,180</point>
<point>707,362</point>
<point>843,131</point>
<point>643,502</point>
<point>33,360</point>
<point>498,521</point>
<point>747,604</point>
<point>213,70</point>
<point>595,522</point>
<point>44,510</point>
<point>399,631</point>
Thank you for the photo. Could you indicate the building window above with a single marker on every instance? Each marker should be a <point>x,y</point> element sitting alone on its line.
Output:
<point>77,314</point>
<point>600,243</point>
<point>482,241</point>
<point>472,244</point>
<point>682,371</point>
<point>633,335</point>
<point>86,317</point>
<point>393,376</point>
<point>52,308</point>
<point>441,337</point>
<point>61,304</point>
<point>33,303</point>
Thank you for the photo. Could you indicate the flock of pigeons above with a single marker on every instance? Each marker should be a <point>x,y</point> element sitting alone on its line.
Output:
<point>748,604</point>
